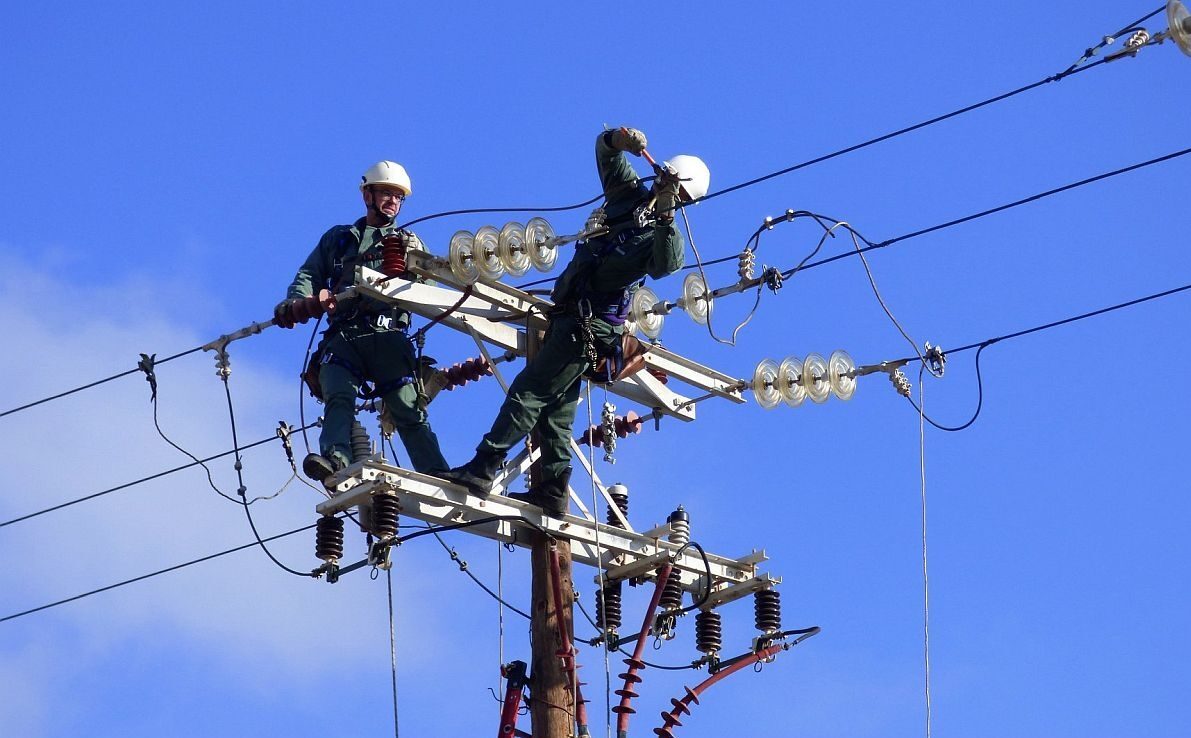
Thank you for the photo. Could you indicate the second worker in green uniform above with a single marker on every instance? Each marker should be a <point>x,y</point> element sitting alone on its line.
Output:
<point>591,300</point>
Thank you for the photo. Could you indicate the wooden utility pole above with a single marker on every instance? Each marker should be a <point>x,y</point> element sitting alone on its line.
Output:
<point>552,697</point>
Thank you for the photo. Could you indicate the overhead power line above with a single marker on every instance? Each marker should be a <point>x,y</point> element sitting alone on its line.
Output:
<point>981,345</point>
<point>95,383</point>
<point>974,216</point>
<point>159,572</point>
<point>133,483</point>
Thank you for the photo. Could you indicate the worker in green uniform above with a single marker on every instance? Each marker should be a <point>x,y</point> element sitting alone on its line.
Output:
<point>591,300</point>
<point>366,340</point>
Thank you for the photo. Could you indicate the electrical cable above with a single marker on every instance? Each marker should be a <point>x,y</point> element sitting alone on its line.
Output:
<point>96,383</point>
<point>899,132</point>
<point>981,345</point>
<point>463,567</point>
<point>1090,52</point>
<point>925,577</point>
<point>126,485</point>
<point>243,490</point>
<point>870,246</point>
<point>393,650</point>
<point>468,211</point>
<point>253,544</point>
<point>599,557</point>
<point>621,650</point>
<point>302,385</point>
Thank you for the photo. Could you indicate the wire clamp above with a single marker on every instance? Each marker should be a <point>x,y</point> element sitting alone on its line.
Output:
<point>772,278</point>
<point>935,359</point>
<point>146,365</point>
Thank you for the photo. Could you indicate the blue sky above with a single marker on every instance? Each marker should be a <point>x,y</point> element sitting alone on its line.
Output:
<point>166,168</point>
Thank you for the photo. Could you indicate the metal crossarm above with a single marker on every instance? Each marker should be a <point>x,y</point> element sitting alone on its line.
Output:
<point>623,554</point>
<point>492,308</point>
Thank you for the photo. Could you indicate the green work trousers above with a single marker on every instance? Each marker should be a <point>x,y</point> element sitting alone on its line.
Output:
<point>386,357</point>
<point>545,394</point>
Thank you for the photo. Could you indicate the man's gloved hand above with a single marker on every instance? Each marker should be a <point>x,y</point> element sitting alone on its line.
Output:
<point>666,200</point>
<point>283,314</point>
<point>628,139</point>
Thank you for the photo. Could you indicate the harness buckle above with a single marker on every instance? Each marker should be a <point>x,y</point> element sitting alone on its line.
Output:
<point>384,322</point>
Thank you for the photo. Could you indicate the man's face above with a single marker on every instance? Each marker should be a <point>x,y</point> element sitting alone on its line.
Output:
<point>384,200</point>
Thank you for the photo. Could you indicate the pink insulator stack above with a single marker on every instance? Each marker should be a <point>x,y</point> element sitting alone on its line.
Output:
<point>628,423</point>
<point>469,371</point>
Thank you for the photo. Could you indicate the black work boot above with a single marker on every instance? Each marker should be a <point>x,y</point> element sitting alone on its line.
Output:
<point>550,495</point>
<point>477,475</point>
<point>318,467</point>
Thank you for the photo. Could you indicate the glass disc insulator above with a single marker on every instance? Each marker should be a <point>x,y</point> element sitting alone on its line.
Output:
<point>511,249</point>
<point>538,237</point>
<point>641,312</point>
<point>765,384</point>
<point>696,298</point>
<point>841,375</point>
<point>486,253</point>
<point>789,381</point>
<point>814,379</point>
<point>462,257</point>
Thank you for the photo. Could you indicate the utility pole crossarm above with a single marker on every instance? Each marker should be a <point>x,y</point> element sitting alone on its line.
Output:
<point>493,308</point>
<point>624,554</point>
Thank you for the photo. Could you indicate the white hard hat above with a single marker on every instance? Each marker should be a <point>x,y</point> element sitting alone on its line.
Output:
<point>692,173</point>
<point>387,173</point>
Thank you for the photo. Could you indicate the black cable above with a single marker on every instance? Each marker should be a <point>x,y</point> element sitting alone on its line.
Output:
<point>626,653</point>
<point>899,132</point>
<point>470,523</point>
<point>1032,198</point>
<point>707,567</point>
<point>192,457</point>
<point>463,567</point>
<point>469,211</point>
<point>243,490</point>
<point>981,345</point>
<point>979,400</point>
<point>153,574</point>
<point>135,482</point>
<point>95,383</point>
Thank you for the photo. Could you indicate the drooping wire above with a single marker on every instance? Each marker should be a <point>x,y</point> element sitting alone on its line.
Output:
<point>243,490</point>
<point>253,544</point>
<point>133,483</point>
<point>621,650</point>
<point>463,567</point>
<point>873,283</point>
<point>981,345</point>
<point>192,457</point>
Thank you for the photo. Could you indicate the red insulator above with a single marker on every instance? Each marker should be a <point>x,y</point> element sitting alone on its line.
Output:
<point>469,371</point>
<point>392,256</point>
<point>313,306</point>
<point>628,423</point>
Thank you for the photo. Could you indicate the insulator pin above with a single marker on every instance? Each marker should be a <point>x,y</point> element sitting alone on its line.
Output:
<point>608,610</point>
<point>361,444</point>
<point>709,632</point>
<point>385,510</point>
<point>620,495</point>
<point>671,598</point>
<point>680,527</point>
<point>328,538</point>
<point>767,609</point>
